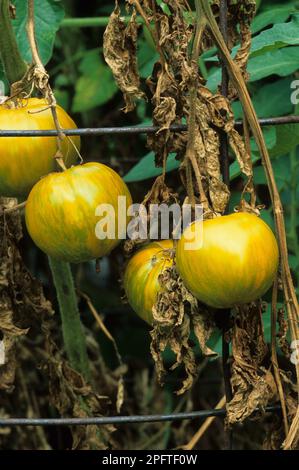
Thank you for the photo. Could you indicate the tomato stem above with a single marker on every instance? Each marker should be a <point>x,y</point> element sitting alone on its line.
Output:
<point>14,66</point>
<point>72,331</point>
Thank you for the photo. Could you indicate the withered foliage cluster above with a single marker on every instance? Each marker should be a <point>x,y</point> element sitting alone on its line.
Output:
<point>21,297</point>
<point>176,313</point>
<point>173,76</point>
<point>177,91</point>
<point>252,381</point>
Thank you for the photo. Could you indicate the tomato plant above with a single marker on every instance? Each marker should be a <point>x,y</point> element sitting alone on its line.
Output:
<point>166,52</point>
<point>61,211</point>
<point>233,262</point>
<point>24,160</point>
<point>141,279</point>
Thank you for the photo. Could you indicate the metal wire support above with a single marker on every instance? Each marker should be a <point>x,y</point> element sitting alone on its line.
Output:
<point>132,130</point>
<point>117,419</point>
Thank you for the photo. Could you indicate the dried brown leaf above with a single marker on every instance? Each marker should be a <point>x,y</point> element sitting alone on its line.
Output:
<point>176,313</point>
<point>120,52</point>
<point>253,385</point>
<point>21,296</point>
<point>282,333</point>
<point>73,397</point>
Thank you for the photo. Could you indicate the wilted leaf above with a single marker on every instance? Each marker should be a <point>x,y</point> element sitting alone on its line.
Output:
<point>21,296</point>
<point>176,313</point>
<point>252,383</point>
<point>120,52</point>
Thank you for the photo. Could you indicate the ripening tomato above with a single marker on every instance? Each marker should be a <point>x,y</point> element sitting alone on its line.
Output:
<point>141,276</point>
<point>234,262</point>
<point>24,160</point>
<point>62,212</point>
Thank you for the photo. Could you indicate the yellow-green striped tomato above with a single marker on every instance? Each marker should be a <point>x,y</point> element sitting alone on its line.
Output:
<point>24,160</point>
<point>62,212</point>
<point>141,276</point>
<point>233,263</point>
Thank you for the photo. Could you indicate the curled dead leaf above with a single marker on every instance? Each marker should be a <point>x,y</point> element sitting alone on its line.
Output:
<point>176,313</point>
<point>252,382</point>
<point>120,53</point>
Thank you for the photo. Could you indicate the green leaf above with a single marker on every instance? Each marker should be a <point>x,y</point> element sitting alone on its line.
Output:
<point>96,84</point>
<point>287,140</point>
<point>62,97</point>
<point>267,216</point>
<point>234,168</point>
<point>282,171</point>
<point>146,168</point>
<point>280,35</point>
<point>48,15</point>
<point>280,62</point>
<point>293,262</point>
<point>234,200</point>
<point>270,100</point>
<point>270,137</point>
<point>146,58</point>
<point>259,176</point>
<point>277,14</point>
<point>164,7</point>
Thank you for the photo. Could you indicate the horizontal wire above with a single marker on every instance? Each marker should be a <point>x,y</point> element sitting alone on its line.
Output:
<point>116,419</point>
<point>135,130</point>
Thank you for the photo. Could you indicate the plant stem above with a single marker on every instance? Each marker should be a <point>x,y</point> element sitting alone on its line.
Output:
<point>14,66</point>
<point>91,22</point>
<point>73,336</point>
<point>100,21</point>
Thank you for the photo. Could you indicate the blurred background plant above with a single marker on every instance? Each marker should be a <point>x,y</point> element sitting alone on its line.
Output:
<point>70,38</point>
